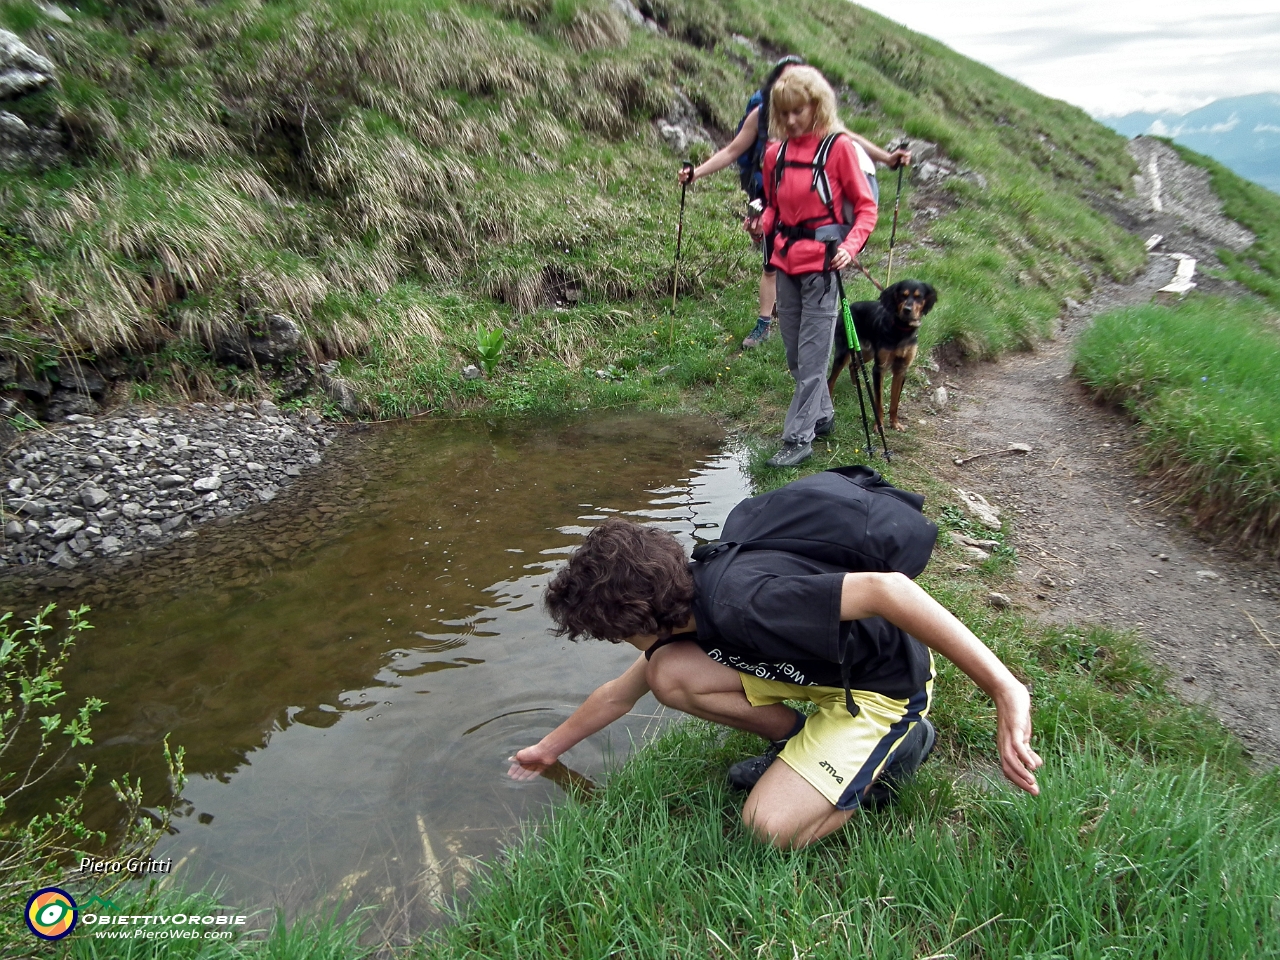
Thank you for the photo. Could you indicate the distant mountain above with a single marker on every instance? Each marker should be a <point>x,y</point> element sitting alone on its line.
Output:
<point>1242,133</point>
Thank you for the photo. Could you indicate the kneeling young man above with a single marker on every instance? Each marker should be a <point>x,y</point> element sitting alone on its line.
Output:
<point>729,641</point>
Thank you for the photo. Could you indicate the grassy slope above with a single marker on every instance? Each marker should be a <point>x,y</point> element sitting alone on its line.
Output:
<point>395,174</point>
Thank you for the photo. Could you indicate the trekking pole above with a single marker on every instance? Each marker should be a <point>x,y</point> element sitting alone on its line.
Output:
<point>675,274</point>
<point>893,233</point>
<point>862,377</point>
<point>851,337</point>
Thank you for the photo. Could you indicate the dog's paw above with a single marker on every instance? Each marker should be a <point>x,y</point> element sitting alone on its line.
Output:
<point>898,425</point>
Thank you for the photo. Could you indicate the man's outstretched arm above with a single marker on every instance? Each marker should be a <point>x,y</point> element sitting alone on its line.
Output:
<point>607,703</point>
<point>906,605</point>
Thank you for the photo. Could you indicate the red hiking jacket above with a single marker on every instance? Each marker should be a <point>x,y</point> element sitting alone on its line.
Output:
<point>796,201</point>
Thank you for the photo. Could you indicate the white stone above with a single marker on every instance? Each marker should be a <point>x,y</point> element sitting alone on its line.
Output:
<point>62,529</point>
<point>980,509</point>
<point>93,497</point>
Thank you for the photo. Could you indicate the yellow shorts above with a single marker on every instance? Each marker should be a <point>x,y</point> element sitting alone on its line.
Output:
<point>837,753</point>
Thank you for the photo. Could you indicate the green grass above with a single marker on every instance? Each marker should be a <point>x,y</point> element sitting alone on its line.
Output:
<point>1118,856</point>
<point>395,174</point>
<point>1203,380</point>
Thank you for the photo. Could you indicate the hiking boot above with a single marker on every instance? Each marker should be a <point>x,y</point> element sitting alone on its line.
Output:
<point>907,759</point>
<point>745,774</point>
<point>792,454</point>
<point>824,426</point>
<point>763,330</point>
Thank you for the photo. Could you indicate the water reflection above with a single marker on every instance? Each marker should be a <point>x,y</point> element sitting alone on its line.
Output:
<point>348,713</point>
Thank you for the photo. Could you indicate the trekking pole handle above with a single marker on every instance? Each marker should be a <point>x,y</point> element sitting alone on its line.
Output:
<point>850,331</point>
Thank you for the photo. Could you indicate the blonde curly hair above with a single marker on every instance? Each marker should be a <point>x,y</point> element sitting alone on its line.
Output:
<point>797,86</point>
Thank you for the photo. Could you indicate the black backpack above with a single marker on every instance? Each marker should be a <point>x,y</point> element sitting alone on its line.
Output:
<point>848,517</point>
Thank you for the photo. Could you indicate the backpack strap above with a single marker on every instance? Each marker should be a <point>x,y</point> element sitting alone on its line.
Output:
<point>670,638</point>
<point>821,185</point>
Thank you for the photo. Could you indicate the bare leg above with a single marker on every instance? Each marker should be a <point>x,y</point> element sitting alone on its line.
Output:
<point>786,811</point>
<point>686,679</point>
<point>768,293</point>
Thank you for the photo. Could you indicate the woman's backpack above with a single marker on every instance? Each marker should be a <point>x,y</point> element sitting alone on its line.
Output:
<point>751,163</point>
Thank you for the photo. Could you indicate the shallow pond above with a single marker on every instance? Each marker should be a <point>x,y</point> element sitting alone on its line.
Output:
<point>348,681</point>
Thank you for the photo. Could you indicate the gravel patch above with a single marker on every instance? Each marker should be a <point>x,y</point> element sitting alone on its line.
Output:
<point>96,491</point>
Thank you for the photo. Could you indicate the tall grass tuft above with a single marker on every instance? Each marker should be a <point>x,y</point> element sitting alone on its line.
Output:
<point>1203,379</point>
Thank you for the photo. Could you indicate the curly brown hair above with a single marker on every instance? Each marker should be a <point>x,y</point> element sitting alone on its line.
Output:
<point>626,579</point>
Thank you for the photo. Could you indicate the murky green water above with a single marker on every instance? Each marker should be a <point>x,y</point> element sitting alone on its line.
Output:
<point>348,682</point>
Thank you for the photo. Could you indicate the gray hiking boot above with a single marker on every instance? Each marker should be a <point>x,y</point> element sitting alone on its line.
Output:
<point>761,333</point>
<point>792,454</point>
<point>907,759</point>
<point>824,426</point>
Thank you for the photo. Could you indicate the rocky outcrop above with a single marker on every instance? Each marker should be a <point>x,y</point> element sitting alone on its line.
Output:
<point>930,167</point>
<point>276,343</point>
<point>682,127</point>
<point>30,131</point>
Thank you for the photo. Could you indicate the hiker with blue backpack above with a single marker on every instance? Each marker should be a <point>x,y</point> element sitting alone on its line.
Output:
<point>747,150</point>
<point>808,597</point>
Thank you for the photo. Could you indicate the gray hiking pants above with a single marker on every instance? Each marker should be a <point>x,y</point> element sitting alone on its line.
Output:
<point>807,321</point>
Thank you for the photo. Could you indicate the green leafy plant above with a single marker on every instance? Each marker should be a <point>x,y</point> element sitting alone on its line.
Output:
<point>37,735</point>
<point>489,344</point>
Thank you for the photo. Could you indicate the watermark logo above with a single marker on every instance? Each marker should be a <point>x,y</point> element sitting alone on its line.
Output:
<point>51,913</point>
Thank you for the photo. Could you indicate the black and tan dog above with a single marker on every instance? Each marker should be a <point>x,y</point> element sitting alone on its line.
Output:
<point>888,328</point>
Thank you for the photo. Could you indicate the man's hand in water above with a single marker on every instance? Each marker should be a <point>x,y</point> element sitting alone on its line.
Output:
<point>531,762</point>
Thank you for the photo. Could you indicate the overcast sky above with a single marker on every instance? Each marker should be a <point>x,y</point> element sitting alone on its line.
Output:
<point>1112,56</point>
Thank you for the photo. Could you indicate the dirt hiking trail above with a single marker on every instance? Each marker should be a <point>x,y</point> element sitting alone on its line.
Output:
<point>1096,542</point>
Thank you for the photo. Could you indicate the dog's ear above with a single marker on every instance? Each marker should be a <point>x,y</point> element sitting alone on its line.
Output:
<point>890,296</point>
<point>930,297</point>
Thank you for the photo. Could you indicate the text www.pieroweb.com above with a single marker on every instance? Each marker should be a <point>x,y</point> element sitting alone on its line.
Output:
<point>164,927</point>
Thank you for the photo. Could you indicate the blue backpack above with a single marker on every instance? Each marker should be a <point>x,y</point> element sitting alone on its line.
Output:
<point>751,163</point>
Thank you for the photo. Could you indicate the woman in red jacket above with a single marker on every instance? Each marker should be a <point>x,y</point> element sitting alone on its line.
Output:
<point>820,212</point>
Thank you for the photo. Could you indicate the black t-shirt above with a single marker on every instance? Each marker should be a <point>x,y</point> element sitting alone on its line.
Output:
<point>777,616</point>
